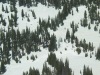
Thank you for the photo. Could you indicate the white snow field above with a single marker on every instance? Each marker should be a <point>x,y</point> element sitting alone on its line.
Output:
<point>76,62</point>
<point>41,11</point>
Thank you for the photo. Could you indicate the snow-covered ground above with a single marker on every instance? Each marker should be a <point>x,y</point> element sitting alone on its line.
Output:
<point>41,11</point>
<point>76,62</point>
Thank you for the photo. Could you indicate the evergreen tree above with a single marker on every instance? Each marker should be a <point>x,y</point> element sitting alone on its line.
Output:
<point>89,27</point>
<point>53,45</point>
<point>6,11</point>
<point>3,8</point>
<point>85,14</point>
<point>22,13</point>
<point>68,35</point>
<point>33,14</point>
<point>98,54</point>
<point>3,68</point>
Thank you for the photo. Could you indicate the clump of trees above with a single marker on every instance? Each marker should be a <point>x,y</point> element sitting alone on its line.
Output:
<point>87,71</point>
<point>32,71</point>
<point>60,67</point>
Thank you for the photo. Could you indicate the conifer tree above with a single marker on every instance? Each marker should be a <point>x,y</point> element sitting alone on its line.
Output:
<point>33,14</point>
<point>6,10</point>
<point>22,13</point>
<point>68,35</point>
<point>3,68</point>
<point>53,45</point>
<point>98,54</point>
<point>3,8</point>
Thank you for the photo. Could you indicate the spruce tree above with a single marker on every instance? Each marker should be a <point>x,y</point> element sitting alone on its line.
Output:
<point>3,68</point>
<point>6,10</point>
<point>53,45</point>
<point>3,8</point>
<point>22,13</point>
<point>98,54</point>
<point>68,35</point>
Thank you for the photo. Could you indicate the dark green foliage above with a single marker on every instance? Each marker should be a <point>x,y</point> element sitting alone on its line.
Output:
<point>98,54</point>
<point>72,38</point>
<point>87,71</point>
<point>78,50</point>
<point>16,59</point>
<point>2,67</point>
<point>27,58</point>
<point>52,57</point>
<point>85,22</point>
<point>4,22</point>
<point>53,45</point>
<point>90,55</point>
<point>11,8</point>
<point>46,70</point>
<point>32,72</point>
<point>60,67</point>
<point>3,8</point>
<point>77,9</point>
<point>15,19</point>
<point>89,27</point>
<point>68,35</point>
<point>33,57</point>
<point>90,46</point>
<point>22,13</point>
<point>85,14</point>
<point>77,42</point>
<point>28,19</point>
<point>86,54</point>
<point>33,14</point>
<point>6,11</point>
<point>95,28</point>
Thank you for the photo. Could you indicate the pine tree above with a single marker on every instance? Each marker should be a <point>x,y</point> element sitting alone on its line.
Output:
<point>6,11</point>
<point>33,14</point>
<point>28,19</point>
<point>22,13</point>
<point>3,68</point>
<point>85,14</point>
<point>68,35</point>
<point>89,27</point>
<point>98,54</point>
<point>53,45</point>
<point>95,28</point>
<point>3,8</point>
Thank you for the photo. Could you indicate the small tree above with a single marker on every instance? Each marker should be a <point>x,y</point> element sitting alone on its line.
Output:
<point>22,13</point>
<point>68,35</point>
<point>98,54</point>
<point>78,50</point>
<point>95,28</point>
<point>33,14</point>
<point>7,10</point>
<point>89,27</point>
<point>3,8</point>
<point>3,68</point>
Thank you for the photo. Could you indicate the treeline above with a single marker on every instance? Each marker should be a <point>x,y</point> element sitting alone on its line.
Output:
<point>60,68</point>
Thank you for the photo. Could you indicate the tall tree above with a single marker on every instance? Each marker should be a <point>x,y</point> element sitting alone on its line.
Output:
<point>53,45</point>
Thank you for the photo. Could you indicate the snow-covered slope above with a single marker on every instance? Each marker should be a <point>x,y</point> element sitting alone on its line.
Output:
<point>41,11</point>
<point>76,62</point>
